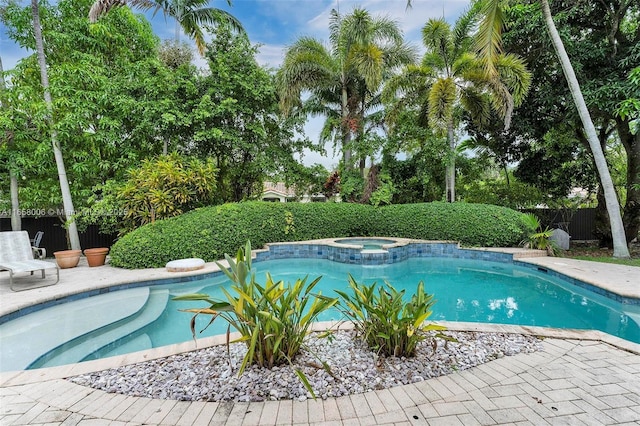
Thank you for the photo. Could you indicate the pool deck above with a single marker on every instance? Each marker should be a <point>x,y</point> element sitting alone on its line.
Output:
<point>580,377</point>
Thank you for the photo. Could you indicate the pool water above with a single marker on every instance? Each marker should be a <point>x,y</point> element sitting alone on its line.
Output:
<point>366,243</point>
<point>465,290</point>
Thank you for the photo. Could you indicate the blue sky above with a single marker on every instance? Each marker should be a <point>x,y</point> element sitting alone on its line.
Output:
<point>275,24</point>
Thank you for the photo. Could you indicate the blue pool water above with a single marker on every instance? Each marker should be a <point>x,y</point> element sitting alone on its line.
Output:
<point>466,290</point>
<point>366,243</point>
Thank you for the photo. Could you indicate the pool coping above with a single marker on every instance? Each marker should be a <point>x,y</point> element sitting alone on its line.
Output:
<point>112,278</point>
<point>23,377</point>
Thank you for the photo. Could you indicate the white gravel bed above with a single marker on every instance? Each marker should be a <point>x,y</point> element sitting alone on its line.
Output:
<point>205,375</point>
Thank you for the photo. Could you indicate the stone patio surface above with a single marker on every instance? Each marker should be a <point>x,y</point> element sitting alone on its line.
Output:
<point>580,376</point>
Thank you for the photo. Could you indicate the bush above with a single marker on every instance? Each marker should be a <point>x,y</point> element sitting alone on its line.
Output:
<point>210,232</point>
<point>382,319</point>
<point>273,319</point>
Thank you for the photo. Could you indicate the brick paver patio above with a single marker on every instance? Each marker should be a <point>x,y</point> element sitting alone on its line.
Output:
<point>569,382</point>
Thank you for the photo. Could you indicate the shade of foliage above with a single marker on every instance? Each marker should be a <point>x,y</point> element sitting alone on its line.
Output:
<point>210,232</point>
<point>343,78</point>
<point>100,111</point>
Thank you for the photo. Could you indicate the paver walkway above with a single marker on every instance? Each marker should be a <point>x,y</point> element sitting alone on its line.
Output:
<point>569,382</point>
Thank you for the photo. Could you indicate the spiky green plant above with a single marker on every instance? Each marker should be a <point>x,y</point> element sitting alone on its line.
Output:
<point>538,238</point>
<point>273,319</point>
<point>385,322</point>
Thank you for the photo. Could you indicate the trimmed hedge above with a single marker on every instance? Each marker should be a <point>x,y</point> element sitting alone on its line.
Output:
<point>210,232</point>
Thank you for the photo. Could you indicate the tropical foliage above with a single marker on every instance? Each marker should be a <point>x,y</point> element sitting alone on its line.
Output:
<point>451,79</point>
<point>191,15</point>
<point>118,97</point>
<point>343,78</point>
<point>273,319</point>
<point>210,232</point>
<point>388,324</point>
<point>489,43</point>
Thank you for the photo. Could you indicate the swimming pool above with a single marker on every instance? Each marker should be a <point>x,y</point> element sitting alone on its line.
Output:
<point>367,243</point>
<point>465,289</point>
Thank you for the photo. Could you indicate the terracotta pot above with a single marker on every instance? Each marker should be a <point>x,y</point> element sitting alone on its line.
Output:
<point>96,256</point>
<point>67,258</point>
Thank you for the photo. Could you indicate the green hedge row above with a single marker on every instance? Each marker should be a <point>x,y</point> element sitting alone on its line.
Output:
<point>210,232</point>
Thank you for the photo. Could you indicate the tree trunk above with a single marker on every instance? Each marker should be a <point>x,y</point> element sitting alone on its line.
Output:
<point>16,220</point>
<point>631,143</point>
<point>67,202</point>
<point>346,130</point>
<point>620,248</point>
<point>450,173</point>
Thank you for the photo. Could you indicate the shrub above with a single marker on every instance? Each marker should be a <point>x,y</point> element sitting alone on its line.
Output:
<point>538,238</point>
<point>273,319</point>
<point>387,324</point>
<point>210,232</point>
<point>163,187</point>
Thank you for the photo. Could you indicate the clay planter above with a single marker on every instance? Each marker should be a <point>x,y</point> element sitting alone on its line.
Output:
<point>67,258</point>
<point>96,256</point>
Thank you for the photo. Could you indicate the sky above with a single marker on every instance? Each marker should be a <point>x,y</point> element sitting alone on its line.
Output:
<point>276,24</point>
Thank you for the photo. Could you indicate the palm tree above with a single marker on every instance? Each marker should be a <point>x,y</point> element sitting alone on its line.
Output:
<point>451,79</point>
<point>67,202</point>
<point>191,15</point>
<point>489,46</point>
<point>361,49</point>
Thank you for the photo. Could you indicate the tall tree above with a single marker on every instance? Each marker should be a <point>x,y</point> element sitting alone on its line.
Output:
<point>108,91</point>
<point>191,15</point>
<point>489,47</point>
<point>67,201</point>
<point>450,80</point>
<point>361,49</point>
<point>236,120</point>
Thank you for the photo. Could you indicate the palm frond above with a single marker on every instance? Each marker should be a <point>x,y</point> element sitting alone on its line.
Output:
<point>192,21</point>
<point>463,27</point>
<point>101,7</point>
<point>513,72</point>
<point>436,36</point>
<point>501,100</point>
<point>488,41</point>
<point>477,104</point>
<point>368,60</point>
<point>385,30</point>
<point>442,98</point>
<point>465,64</point>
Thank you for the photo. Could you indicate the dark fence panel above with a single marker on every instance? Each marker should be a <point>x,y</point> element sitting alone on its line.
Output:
<point>55,236</point>
<point>578,223</point>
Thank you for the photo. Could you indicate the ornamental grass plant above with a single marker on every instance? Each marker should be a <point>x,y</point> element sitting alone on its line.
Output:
<point>384,321</point>
<point>273,319</point>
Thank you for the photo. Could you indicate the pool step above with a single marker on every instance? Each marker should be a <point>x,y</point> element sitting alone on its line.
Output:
<point>95,340</point>
<point>63,323</point>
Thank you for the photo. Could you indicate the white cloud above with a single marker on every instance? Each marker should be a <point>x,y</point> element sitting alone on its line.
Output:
<point>410,20</point>
<point>270,55</point>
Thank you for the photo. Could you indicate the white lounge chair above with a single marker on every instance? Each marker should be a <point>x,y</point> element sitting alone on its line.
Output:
<point>16,255</point>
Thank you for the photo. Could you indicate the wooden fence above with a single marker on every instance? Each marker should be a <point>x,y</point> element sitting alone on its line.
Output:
<point>578,223</point>
<point>55,236</point>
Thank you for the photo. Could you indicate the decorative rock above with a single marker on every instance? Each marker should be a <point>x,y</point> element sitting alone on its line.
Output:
<point>203,375</point>
<point>561,238</point>
<point>184,265</point>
